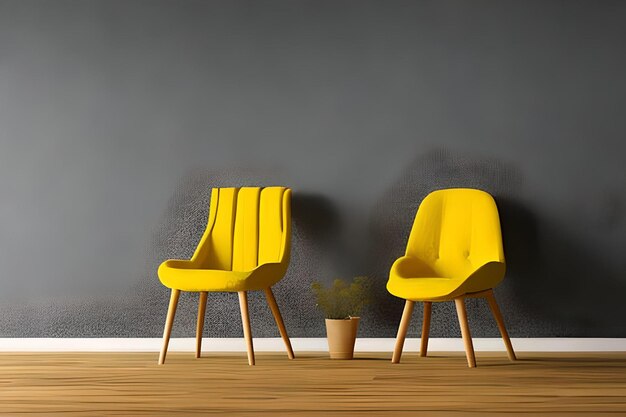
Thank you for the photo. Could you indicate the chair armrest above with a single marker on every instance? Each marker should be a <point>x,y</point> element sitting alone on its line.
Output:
<point>493,269</point>
<point>267,273</point>
<point>486,276</point>
<point>411,267</point>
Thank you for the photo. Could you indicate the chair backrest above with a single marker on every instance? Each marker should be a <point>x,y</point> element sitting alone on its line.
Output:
<point>247,227</point>
<point>456,231</point>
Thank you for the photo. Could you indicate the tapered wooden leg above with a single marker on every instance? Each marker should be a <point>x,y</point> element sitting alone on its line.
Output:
<point>402,329</point>
<point>171,312</point>
<point>465,332</point>
<point>245,321</point>
<point>279,320</point>
<point>495,310</point>
<point>200,323</point>
<point>425,328</point>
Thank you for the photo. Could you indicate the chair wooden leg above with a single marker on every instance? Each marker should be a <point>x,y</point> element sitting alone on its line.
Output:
<point>279,320</point>
<point>200,323</point>
<point>428,305</point>
<point>245,321</point>
<point>402,329</point>
<point>495,310</point>
<point>169,321</point>
<point>465,331</point>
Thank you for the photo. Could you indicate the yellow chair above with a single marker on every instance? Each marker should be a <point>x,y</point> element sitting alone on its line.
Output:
<point>245,247</point>
<point>454,252</point>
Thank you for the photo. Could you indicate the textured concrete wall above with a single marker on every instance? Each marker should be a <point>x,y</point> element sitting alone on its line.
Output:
<point>116,118</point>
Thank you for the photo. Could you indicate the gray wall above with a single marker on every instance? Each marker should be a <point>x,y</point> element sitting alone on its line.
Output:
<point>116,117</point>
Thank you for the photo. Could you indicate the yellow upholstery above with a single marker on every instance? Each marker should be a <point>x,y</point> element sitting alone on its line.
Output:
<point>245,246</point>
<point>455,248</point>
<point>454,252</point>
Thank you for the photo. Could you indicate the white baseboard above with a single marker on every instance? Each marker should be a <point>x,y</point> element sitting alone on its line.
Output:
<point>306,345</point>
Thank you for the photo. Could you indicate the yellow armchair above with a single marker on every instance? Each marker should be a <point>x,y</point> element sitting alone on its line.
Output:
<point>245,247</point>
<point>454,252</point>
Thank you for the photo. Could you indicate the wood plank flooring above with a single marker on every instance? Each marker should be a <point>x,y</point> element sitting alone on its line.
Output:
<point>132,384</point>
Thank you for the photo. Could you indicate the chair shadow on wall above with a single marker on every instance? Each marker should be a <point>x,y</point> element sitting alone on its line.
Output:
<point>321,229</point>
<point>557,280</point>
<point>392,219</point>
<point>315,221</point>
<point>315,216</point>
<point>315,250</point>
<point>553,285</point>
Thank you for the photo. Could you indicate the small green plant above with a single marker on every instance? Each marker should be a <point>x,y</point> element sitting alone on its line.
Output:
<point>342,300</point>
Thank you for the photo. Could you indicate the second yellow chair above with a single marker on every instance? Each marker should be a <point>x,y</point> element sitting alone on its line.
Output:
<point>454,252</point>
<point>245,247</point>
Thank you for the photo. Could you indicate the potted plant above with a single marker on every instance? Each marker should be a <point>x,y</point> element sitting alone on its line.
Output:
<point>341,303</point>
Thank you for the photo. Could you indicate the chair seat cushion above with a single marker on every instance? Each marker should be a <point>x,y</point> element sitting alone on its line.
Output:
<point>412,279</point>
<point>423,288</point>
<point>186,276</point>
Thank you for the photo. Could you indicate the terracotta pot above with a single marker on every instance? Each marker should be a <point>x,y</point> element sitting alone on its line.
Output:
<point>341,337</point>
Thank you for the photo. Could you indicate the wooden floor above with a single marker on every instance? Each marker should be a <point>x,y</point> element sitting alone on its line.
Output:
<point>132,384</point>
